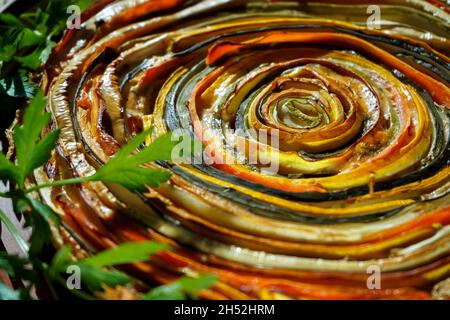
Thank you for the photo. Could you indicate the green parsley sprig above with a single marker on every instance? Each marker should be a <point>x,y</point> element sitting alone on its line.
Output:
<point>126,168</point>
<point>26,42</point>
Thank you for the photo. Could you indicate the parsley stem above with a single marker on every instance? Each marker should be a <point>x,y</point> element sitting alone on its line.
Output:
<point>58,183</point>
<point>14,232</point>
<point>45,274</point>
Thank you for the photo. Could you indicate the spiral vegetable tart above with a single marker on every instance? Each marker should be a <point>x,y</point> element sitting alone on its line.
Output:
<point>361,120</point>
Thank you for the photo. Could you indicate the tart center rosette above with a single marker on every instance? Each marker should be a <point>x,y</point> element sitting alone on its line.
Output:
<point>325,144</point>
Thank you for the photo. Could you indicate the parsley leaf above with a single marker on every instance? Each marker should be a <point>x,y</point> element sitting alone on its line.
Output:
<point>31,61</point>
<point>91,276</point>
<point>60,262</point>
<point>8,171</point>
<point>11,20</point>
<point>96,278</point>
<point>92,271</point>
<point>15,39</point>
<point>29,39</point>
<point>16,266</point>
<point>10,44</point>
<point>43,210</point>
<point>126,168</point>
<point>181,289</point>
<point>30,152</point>
<point>40,235</point>
<point>171,291</point>
<point>125,253</point>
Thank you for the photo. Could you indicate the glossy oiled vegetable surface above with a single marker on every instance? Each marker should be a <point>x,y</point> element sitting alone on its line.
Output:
<point>360,117</point>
